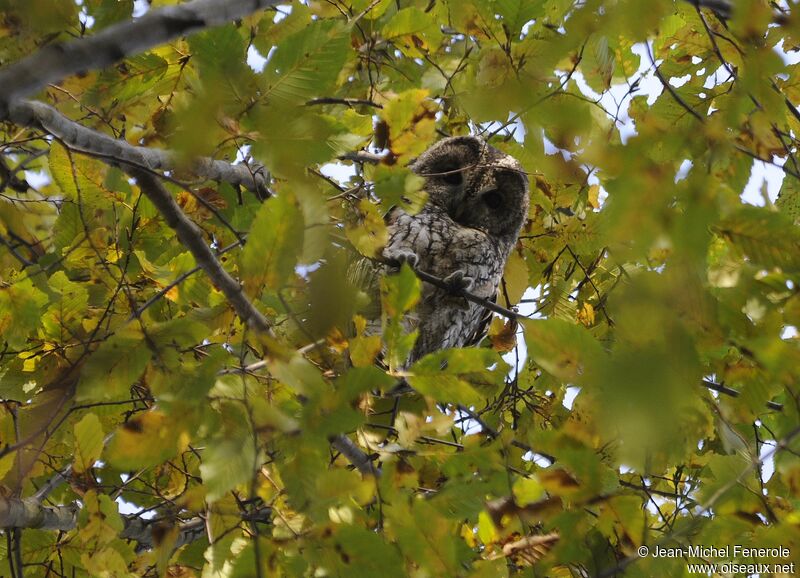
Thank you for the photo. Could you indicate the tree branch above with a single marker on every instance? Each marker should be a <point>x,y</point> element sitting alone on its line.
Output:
<point>191,237</point>
<point>351,102</point>
<point>724,389</point>
<point>55,62</point>
<point>29,513</point>
<point>85,140</point>
<point>704,507</point>
<point>354,454</point>
<point>490,305</point>
<point>363,157</point>
<point>141,531</point>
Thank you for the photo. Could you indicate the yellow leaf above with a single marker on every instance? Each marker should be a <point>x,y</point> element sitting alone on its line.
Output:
<point>364,350</point>
<point>515,279</point>
<point>594,196</point>
<point>487,533</point>
<point>412,123</point>
<point>586,314</point>
<point>148,439</point>
<point>503,335</point>
<point>367,230</point>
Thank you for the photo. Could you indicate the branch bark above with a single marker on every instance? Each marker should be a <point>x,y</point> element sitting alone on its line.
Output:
<point>191,237</point>
<point>29,513</point>
<point>85,140</point>
<point>355,455</point>
<point>55,62</point>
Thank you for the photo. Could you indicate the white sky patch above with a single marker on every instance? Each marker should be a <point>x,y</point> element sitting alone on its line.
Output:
<point>570,395</point>
<point>242,152</point>
<point>255,60</point>
<point>764,178</point>
<point>678,81</point>
<point>127,509</point>
<point>719,76</point>
<point>768,464</point>
<point>338,171</point>
<point>789,332</point>
<point>790,57</point>
<point>140,8</point>
<point>305,270</point>
<point>683,170</point>
<point>282,11</point>
<point>88,21</point>
<point>37,179</point>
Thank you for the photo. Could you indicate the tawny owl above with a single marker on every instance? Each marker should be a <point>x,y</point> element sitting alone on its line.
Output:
<point>477,204</point>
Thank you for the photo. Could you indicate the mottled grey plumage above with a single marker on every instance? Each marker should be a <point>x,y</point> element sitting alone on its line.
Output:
<point>477,204</point>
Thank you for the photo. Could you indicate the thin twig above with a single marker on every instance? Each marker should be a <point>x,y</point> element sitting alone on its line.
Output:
<point>708,504</point>
<point>191,237</point>
<point>180,280</point>
<point>346,101</point>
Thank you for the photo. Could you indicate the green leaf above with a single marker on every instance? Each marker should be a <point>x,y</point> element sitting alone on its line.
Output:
<point>458,375</point>
<point>114,367</point>
<point>598,63</point>
<point>426,537</point>
<point>78,177</point>
<point>21,306</point>
<point>516,14</point>
<point>107,12</point>
<point>306,63</point>
<point>413,31</point>
<point>397,186</point>
<point>67,310</point>
<point>274,241</point>
<point>767,238</point>
<point>227,463</point>
<point>561,348</point>
<point>365,554</point>
<point>789,198</point>
<point>400,292</point>
<point>88,442</point>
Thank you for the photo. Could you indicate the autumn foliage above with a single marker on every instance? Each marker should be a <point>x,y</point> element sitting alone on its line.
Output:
<point>187,383</point>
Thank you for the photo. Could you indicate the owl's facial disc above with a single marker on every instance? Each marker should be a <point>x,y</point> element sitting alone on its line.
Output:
<point>492,199</point>
<point>454,176</point>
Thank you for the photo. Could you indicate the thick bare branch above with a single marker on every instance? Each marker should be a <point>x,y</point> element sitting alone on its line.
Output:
<point>192,238</point>
<point>85,140</point>
<point>57,61</point>
<point>29,513</point>
<point>355,455</point>
<point>141,531</point>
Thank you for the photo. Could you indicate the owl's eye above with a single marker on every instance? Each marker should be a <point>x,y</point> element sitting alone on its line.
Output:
<point>453,176</point>
<point>493,199</point>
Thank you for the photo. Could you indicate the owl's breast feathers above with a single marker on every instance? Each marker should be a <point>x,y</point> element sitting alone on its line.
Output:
<point>444,247</point>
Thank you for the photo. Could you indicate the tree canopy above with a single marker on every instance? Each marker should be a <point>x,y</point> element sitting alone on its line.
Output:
<point>186,384</point>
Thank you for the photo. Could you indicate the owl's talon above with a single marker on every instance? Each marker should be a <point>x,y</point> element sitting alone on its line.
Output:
<point>397,258</point>
<point>457,282</point>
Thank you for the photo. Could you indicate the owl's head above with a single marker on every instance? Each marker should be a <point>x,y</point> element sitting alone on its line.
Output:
<point>477,185</point>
